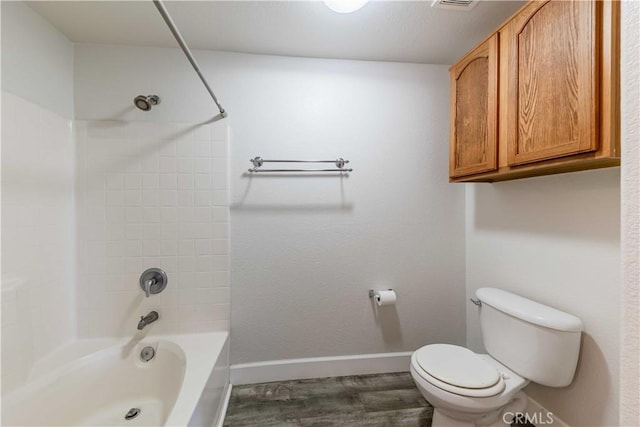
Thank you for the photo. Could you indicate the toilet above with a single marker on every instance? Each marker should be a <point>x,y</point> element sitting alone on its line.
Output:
<point>526,342</point>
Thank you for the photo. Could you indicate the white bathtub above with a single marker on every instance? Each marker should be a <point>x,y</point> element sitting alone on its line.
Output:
<point>96,382</point>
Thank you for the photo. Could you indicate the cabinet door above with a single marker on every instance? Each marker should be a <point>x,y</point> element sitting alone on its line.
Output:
<point>473,141</point>
<point>552,74</point>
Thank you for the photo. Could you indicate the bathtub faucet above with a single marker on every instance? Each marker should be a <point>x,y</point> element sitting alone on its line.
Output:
<point>149,318</point>
<point>147,287</point>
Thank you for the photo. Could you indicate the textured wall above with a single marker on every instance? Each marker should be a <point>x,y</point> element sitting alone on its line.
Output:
<point>630,361</point>
<point>556,240</point>
<point>305,249</point>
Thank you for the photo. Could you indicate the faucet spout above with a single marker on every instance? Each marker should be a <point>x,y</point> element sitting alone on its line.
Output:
<point>148,319</point>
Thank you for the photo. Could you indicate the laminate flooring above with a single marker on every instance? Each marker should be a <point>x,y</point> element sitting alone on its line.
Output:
<point>380,400</point>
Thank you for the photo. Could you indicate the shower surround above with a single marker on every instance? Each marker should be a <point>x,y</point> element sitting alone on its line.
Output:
<point>38,263</point>
<point>152,195</point>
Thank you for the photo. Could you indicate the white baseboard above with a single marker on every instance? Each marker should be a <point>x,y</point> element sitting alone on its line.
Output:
<point>544,417</point>
<point>223,408</point>
<point>319,367</point>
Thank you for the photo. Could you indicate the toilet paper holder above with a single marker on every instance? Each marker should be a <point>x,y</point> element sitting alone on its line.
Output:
<point>383,298</point>
<point>372,293</point>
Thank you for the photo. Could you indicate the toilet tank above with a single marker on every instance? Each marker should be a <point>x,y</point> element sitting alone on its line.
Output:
<point>536,341</point>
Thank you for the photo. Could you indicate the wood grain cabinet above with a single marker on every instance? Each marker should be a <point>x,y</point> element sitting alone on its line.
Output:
<point>540,96</point>
<point>474,111</point>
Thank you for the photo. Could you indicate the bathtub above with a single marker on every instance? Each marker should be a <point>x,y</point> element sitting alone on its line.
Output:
<point>97,382</point>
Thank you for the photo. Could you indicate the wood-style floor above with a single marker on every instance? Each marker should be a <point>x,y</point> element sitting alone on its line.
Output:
<point>364,400</point>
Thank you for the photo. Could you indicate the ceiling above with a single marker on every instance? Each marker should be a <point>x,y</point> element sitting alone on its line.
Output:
<point>402,31</point>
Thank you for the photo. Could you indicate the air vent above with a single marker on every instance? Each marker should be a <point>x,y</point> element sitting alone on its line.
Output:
<point>455,4</point>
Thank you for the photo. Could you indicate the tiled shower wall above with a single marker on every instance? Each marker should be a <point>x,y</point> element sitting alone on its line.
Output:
<point>38,259</point>
<point>152,195</point>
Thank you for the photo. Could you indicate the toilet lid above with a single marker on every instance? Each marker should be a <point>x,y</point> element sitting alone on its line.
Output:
<point>457,366</point>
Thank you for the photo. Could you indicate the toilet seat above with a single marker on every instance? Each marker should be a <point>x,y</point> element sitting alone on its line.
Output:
<point>458,370</point>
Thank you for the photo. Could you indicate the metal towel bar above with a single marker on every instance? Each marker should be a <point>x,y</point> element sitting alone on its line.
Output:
<point>339,162</point>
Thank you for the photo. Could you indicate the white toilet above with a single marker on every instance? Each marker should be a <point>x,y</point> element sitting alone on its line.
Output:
<point>526,341</point>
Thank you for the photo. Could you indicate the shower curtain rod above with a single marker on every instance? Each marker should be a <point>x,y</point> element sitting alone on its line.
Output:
<point>187,52</point>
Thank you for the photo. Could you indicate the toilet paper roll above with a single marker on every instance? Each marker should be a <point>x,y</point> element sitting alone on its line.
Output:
<point>385,297</point>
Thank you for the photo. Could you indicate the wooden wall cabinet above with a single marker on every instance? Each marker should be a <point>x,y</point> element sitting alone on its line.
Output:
<point>556,68</point>
<point>474,111</point>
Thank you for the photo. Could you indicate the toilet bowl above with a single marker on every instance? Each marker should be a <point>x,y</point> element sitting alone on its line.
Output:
<point>466,389</point>
<point>526,342</point>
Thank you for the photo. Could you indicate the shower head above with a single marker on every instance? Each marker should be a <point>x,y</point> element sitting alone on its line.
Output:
<point>146,102</point>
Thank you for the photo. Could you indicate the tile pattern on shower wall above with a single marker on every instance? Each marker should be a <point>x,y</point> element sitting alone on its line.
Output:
<point>152,195</point>
<point>38,259</point>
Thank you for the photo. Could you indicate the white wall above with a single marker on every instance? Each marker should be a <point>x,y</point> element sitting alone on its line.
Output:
<point>38,254</point>
<point>305,250</point>
<point>117,74</point>
<point>630,351</point>
<point>556,240</point>
<point>37,60</point>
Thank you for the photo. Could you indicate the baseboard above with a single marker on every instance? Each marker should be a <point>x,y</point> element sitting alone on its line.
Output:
<point>223,408</point>
<point>542,415</point>
<point>319,367</point>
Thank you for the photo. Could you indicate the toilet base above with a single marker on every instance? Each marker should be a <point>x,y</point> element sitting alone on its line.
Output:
<point>442,420</point>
